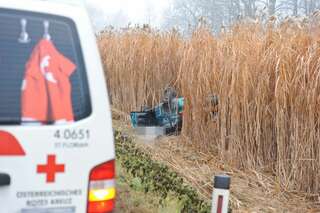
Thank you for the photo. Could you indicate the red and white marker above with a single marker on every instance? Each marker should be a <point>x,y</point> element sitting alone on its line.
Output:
<point>221,193</point>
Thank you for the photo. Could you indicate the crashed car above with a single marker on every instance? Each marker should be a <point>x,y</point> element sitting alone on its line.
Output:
<point>166,115</point>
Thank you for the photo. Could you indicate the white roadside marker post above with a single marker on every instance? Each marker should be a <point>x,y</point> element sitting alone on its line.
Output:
<point>221,193</point>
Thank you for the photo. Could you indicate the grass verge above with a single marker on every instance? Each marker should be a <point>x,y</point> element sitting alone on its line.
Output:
<point>132,198</point>
<point>152,177</point>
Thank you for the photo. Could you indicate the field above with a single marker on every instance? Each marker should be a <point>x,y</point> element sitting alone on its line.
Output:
<point>266,78</point>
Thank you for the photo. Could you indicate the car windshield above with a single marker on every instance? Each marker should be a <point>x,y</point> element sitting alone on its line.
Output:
<point>42,72</point>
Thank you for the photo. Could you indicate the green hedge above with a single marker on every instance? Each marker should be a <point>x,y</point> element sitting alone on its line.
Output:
<point>156,177</point>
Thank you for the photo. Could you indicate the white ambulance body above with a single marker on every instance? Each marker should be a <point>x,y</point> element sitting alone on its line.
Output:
<point>53,165</point>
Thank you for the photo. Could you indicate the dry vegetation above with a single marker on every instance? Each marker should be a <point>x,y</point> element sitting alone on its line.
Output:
<point>267,81</point>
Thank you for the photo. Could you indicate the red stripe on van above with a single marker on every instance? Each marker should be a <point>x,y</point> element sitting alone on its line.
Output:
<point>9,145</point>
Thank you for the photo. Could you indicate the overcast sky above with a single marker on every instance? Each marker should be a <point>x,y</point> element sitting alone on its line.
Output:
<point>136,11</point>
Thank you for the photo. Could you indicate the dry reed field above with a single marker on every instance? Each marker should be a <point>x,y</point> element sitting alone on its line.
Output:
<point>267,78</point>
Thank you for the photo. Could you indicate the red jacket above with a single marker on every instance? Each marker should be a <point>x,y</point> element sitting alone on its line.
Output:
<point>46,89</point>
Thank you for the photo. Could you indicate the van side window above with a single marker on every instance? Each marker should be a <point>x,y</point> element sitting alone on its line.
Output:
<point>43,78</point>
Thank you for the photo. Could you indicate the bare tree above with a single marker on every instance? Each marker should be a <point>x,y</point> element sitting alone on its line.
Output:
<point>218,13</point>
<point>272,7</point>
<point>309,6</point>
<point>295,7</point>
<point>250,8</point>
<point>215,13</point>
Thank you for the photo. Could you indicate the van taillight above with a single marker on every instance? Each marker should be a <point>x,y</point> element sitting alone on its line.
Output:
<point>101,195</point>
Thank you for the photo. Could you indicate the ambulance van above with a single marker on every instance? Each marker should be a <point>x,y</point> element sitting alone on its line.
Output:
<point>56,141</point>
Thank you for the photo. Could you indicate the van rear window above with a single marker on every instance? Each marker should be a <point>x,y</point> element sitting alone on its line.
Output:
<point>42,72</point>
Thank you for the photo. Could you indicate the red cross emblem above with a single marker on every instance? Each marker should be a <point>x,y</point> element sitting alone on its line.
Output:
<point>51,168</point>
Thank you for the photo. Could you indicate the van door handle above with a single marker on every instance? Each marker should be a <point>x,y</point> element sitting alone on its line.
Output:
<point>5,179</point>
